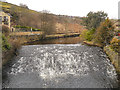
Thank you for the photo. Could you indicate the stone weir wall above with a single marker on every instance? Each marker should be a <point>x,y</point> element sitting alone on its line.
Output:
<point>26,37</point>
<point>114,57</point>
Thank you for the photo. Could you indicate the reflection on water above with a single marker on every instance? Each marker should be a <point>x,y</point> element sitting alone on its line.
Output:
<point>69,40</point>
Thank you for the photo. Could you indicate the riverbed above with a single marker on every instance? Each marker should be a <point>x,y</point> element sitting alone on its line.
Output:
<point>60,63</point>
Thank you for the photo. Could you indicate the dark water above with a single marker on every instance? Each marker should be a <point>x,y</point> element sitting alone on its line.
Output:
<point>60,66</point>
<point>69,40</point>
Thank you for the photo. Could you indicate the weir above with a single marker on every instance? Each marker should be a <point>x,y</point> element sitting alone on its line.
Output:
<point>60,66</point>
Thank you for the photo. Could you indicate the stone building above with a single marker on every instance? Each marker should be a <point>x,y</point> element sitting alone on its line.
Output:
<point>5,19</point>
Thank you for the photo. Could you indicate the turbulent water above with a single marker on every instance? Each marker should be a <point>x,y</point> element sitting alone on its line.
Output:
<point>60,66</point>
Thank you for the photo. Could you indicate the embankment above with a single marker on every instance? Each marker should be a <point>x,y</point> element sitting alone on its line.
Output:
<point>26,38</point>
<point>18,39</point>
<point>113,56</point>
<point>61,35</point>
<point>90,43</point>
<point>115,59</point>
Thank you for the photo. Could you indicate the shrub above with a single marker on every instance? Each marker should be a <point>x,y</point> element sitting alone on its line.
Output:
<point>5,44</point>
<point>104,33</point>
<point>90,34</point>
<point>83,34</point>
<point>115,44</point>
<point>5,30</point>
<point>26,27</point>
<point>18,26</point>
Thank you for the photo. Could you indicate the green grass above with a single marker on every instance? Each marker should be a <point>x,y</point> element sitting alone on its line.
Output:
<point>7,6</point>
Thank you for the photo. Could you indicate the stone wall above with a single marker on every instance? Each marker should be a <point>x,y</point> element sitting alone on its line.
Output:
<point>114,57</point>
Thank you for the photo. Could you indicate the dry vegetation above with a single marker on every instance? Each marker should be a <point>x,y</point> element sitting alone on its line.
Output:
<point>47,22</point>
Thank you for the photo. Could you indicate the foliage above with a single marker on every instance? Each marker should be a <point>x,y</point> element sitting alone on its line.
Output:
<point>5,30</point>
<point>94,19</point>
<point>83,34</point>
<point>115,44</point>
<point>48,23</point>
<point>104,32</point>
<point>38,20</point>
<point>87,34</point>
<point>26,27</point>
<point>90,34</point>
<point>5,44</point>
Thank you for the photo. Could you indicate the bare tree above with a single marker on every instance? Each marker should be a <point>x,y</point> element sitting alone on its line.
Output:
<point>48,23</point>
<point>24,5</point>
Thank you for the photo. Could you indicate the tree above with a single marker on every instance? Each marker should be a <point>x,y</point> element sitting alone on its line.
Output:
<point>48,23</point>
<point>104,33</point>
<point>24,5</point>
<point>94,19</point>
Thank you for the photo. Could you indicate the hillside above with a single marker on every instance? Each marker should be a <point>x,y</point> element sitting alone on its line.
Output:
<point>48,22</point>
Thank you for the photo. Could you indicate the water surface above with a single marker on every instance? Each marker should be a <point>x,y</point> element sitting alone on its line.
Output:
<point>60,66</point>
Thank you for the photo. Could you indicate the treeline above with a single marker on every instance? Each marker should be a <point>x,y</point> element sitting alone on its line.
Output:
<point>101,30</point>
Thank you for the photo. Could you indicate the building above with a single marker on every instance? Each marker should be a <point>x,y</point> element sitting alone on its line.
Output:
<point>5,18</point>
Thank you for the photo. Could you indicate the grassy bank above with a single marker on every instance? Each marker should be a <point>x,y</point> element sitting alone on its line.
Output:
<point>91,43</point>
<point>9,49</point>
<point>113,57</point>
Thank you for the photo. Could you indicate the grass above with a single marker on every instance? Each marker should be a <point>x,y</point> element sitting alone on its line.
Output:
<point>7,6</point>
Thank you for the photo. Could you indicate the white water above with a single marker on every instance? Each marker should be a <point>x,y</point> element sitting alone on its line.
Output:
<point>63,66</point>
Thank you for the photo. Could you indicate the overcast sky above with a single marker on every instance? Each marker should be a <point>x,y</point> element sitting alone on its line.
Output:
<point>72,7</point>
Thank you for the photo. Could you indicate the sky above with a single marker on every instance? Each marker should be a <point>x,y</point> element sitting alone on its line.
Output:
<point>72,7</point>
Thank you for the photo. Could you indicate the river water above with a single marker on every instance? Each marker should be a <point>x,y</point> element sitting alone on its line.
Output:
<point>61,63</point>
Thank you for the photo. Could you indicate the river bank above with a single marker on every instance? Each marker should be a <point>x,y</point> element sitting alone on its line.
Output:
<point>113,56</point>
<point>7,55</point>
<point>115,60</point>
<point>69,41</point>
<point>60,66</point>
<point>18,41</point>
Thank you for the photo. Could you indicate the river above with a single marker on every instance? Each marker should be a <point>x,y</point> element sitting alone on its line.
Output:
<point>60,63</point>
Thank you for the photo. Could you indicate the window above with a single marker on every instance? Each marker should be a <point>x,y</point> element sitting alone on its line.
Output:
<point>5,18</point>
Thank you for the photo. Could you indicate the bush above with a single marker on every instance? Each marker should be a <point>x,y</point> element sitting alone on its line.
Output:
<point>83,34</point>
<point>90,34</point>
<point>115,44</point>
<point>104,33</point>
<point>5,30</point>
<point>5,44</point>
<point>26,27</point>
<point>18,26</point>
